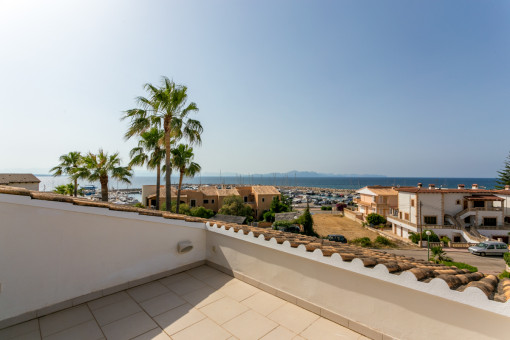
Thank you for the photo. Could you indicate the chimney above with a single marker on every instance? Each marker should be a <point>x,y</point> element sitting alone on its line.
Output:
<point>432,186</point>
<point>474,187</point>
<point>507,187</point>
<point>461,186</point>
<point>420,185</point>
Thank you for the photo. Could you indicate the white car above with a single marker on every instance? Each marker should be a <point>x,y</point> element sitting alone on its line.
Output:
<point>489,248</point>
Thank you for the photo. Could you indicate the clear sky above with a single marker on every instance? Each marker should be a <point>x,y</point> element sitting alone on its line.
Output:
<point>397,88</point>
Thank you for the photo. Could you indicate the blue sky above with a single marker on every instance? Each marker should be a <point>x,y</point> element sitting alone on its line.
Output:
<point>398,88</point>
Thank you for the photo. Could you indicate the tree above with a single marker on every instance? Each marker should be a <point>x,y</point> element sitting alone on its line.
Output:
<point>504,175</point>
<point>166,107</point>
<point>183,161</point>
<point>375,219</point>
<point>150,151</point>
<point>101,167</point>
<point>68,166</point>
<point>234,205</point>
<point>67,189</point>
<point>306,221</point>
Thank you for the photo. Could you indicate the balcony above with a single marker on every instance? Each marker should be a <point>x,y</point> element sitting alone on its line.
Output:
<point>59,255</point>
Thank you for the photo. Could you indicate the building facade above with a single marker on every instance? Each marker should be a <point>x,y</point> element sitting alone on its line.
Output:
<point>462,214</point>
<point>258,197</point>
<point>376,199</point>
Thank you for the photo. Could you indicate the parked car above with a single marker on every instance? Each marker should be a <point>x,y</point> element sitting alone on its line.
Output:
<point>337,238</point>
<point>489,248</point>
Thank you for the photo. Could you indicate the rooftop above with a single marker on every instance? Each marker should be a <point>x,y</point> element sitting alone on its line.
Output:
<point>6,179</point>
<point>201,303</point>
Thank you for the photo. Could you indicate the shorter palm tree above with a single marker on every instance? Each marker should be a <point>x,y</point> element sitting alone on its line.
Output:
<point>183,161</point>
<point>150,151</point>
<point>69,165</point>
<point>101,167</point>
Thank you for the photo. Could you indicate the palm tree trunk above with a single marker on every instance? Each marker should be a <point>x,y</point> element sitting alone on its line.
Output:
<point>158,184</point>
<point>104,189</point>
<point>75,187</point>
<point>179,192</point>
<point>168,193</point>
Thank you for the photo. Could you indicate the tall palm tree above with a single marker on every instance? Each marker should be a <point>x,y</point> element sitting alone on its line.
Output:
<point>68,165</point>
<point>101,167</point>
<point>150,151</point>
<point>166,107</point>
<point>183,161</point>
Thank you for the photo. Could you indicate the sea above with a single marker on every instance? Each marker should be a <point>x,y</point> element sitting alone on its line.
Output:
<point>48,182</point>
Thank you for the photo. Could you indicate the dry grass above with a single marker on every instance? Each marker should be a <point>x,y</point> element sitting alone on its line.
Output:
<point>325,225</point>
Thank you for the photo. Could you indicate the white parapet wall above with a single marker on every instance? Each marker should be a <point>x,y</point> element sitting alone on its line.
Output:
<point>51,252</point>
<point>369,300</point>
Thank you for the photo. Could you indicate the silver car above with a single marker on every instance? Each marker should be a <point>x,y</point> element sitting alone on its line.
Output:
<point>489,248</point>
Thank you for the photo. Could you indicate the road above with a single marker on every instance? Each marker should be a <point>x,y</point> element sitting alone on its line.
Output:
<point>487,265</point>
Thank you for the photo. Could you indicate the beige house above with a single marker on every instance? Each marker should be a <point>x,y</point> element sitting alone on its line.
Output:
<point>27,181</point>
<point>377,199</point>
<point>258,197</point>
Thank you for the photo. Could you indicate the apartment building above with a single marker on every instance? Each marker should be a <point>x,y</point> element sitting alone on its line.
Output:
<point>462,214</point>
<point>377,199</point>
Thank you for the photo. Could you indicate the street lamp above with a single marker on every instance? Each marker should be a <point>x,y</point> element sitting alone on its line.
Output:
<point>428,244</point>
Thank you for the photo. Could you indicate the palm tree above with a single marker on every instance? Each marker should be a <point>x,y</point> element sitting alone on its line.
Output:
<point>68,165</point>
<point>183,161</point>
<point>149,151</point>
<point>101,167</point>
<point>166,107</point>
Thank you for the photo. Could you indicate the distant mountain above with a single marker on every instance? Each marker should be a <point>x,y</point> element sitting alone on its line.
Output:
<point>295,173</point>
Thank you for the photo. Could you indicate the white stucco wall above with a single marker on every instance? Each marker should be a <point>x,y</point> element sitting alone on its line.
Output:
<point>431,206</point>
<point>395,305</point>
<point>404,205</point>
<point>51,252</point>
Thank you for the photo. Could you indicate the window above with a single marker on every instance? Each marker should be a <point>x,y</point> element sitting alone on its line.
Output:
<point>479,204</point>
<point>245,199</point>
<point>193,203</point>
<point>406,216</point>
<point>458,202</point>
<point>501,246</point>
<point>412,203</point>
<point>490,221</point>
<point>212,201</point>
<point>490,247</point>
<point>263,199</point>
<point>430,219</point>
<point>400,215</point>
<point>206,201</point>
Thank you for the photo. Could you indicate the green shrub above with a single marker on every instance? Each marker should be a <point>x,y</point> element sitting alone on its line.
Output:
<point>445,239</point>
<point>461,265</point>
<point>268,216</point>
<point>384,241</point>
<point>138,205</point>
<point>326,208</point>
<point>414,237</point>
<point>507,258</point>
<point>504,275</point>
<point>283,223</point>
<point>362,241</point>
<point>201,212</point>
<point>375,219</point>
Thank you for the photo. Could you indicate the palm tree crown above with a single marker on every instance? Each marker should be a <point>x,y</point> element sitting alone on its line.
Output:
<point>101,167</point>
<point>69,165</point>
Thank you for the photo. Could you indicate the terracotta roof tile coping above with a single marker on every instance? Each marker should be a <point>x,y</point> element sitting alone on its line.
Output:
<point>423,271</point>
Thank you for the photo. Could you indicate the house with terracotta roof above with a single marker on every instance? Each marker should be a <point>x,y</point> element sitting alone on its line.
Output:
<point>27,181</point>
<point>258,197</point>
<point>462,214</point>
<point>73,268</point>
<point>376,199</point>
